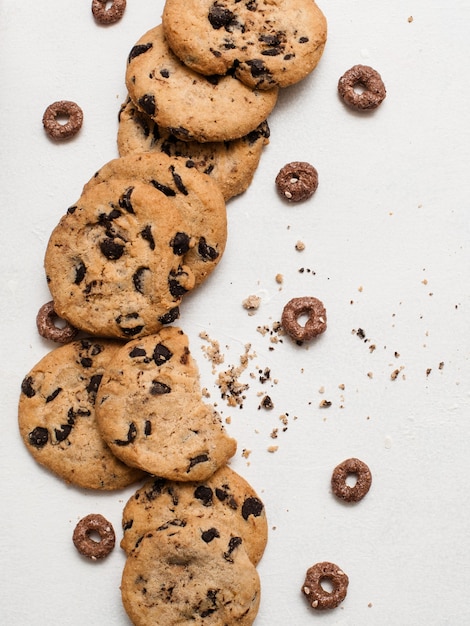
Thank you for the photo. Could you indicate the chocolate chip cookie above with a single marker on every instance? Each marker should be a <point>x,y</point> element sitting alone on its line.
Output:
<point>151,414</point>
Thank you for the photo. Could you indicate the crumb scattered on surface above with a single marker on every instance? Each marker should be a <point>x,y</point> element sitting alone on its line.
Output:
<point>212,351</point>
<point>279,279</point>
<point>410,19</point>
<point>231,389</point>
<point>246,453</point>
<point>299,246</point>
<point>251,304</point>
<point>325,404</point>
<point>273,448</point>
<point>266,403</point>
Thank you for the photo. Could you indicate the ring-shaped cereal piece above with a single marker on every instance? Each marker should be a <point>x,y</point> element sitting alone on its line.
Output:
<point>45,322</point>
<point>351,467</point>
<point>108,16</point>
<point>297,181</point>
<point>318,597</point>
<point>315,324</point>
<point>373,89</point>
<point>86,545</point>
<point>62,108</point>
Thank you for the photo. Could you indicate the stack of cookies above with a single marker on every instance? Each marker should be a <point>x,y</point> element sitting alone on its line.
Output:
<point>123,403</point>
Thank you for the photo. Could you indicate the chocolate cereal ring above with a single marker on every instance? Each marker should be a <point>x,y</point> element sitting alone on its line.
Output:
<point>45,322</point>
<point>369,80</point>
<point>318,597</point>
<point>351,467</point>
<point>297,181</point>
<point>109,15</point>
<point>63,108</point>
<point>315,324</point>
<point>94,524</point>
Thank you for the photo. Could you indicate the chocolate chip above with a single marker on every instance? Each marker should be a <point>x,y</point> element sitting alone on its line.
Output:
<point>158,388</point>
<point>257,68</point>
<point>63,433</point>
<point>53,395</point>
<point>38,437</point>
<point>180,243</point>
<point>147,103</point>
<point>148,428</point>
<point>125,200</point>
<point>111,249</point>
<point>92,387</point>
<point>178,181</point>
<point>138,50</point>
<point>139,278</point>
<point>232,545</point>
<point>131,435</point>
<point>168,191</point>
<point>136,352</point>
<point>210,534</point>
<point>80,271</point>
<point>206,251</point>
<point>201,458</point>
<point>161,354</point>
<point>165,73</point>
<point>204,494</point>
<point>172,315</point>
<point>176,289</point>
<point>129,331</point>
<point>27,387</point>
<point>252,506</point>
<point>220,17</point>
<point>146,234</point>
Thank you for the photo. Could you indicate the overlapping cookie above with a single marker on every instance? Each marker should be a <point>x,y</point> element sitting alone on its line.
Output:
<point>231,164</point>
<point>114,263</point>
<point>266,44</point>
<point>225,500</point>
<point>151,414</point>
<point>186,576</point>
<point>56,416</point>
<point>192,106</point>
<point>195,196</point>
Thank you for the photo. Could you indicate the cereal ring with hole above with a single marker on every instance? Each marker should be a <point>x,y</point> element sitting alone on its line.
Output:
<point>315,324</point>
<point>351,467</point>
<point>108,15</point>
<point>297,181</point>
<point>319,597</point>
<point>84,542</point>
<point>365,78</point>
<point>68,110</point>
<point>45,322</point>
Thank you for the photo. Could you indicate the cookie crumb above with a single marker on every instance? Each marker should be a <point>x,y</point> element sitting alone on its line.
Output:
<point>273,449</point>
<point>299,246</point>
<point>279,279</point>
<point>325,404</point>
<point>251,304</point>
<point>410,19</point>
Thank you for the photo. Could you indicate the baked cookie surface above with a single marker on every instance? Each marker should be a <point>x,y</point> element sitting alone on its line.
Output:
<point>114,263</point>
<point>192,106</point>
<point>231,164</point>
<point>225,499</point>
<point>195,196</point>
<point>56,416</point>
<point>265,43</point>
<point>151,414</point>
<point>188,577</point>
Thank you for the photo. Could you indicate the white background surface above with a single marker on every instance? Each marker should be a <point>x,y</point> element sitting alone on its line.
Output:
<point>387,245</point>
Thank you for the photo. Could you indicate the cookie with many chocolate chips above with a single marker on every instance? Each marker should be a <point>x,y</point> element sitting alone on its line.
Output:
<point>190,574</point>
<point>197,198</point>
<point>224,500</point>
<point>192,106</point>
<point>265,44</point>
<point>231,164</point>
<point>114,263</point>
<point>56,416</point>
<point>151,414</point>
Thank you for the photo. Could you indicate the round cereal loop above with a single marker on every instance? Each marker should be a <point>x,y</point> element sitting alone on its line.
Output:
<point>362,88</point>
<point>318,597</point>
<point>62,108</point>
<point>45,322</point>
<point>315,324</point>
<point>108,15</point>
<point>297,181</point>
<point>86,545</point>
<point>351,467</point>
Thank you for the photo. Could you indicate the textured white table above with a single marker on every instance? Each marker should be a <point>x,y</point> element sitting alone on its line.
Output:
<point>386,248</point>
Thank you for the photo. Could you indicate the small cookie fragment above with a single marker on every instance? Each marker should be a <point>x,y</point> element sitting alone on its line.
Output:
<point>297,181</point>
<point>351,467</point>
<point>315,324</point>
<point>109,15</point>
<point>45,322</point>
<point>318,597</point>
<point>362,88</point>
<point>73,115</point>
<point>94,524</point>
